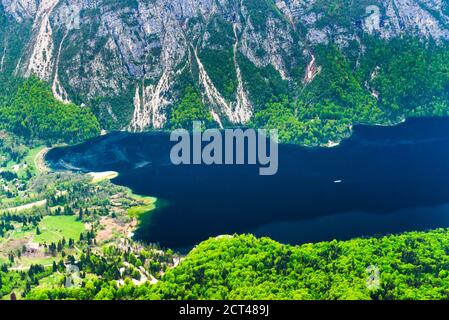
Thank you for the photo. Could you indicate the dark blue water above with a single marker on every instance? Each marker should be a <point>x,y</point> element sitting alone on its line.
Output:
<point>393,179</point>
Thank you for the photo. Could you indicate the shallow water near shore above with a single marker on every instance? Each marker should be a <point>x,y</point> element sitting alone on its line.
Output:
<point>381,180</point>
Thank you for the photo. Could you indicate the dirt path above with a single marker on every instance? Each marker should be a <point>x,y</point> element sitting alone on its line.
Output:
<point>25,206</point>
<point>39,161</point>
<point>27,268</point>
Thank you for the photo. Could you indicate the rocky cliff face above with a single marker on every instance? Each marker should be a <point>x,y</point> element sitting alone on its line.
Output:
<point>132,59</point>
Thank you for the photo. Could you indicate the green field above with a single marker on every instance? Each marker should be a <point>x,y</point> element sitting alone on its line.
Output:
<point>54,228</point>
<point>29,161</point>
<point>18,234</point>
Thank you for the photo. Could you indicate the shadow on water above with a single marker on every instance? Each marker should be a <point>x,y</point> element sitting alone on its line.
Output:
<point>381,180</point>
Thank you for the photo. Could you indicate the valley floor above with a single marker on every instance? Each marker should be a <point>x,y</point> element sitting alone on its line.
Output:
<point>49,221</point>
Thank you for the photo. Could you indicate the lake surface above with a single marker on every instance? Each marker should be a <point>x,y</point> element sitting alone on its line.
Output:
<point>381,180</point>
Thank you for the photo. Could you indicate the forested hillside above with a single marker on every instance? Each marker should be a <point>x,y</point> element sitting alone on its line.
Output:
<point>29,110</point>
<point>311,69</point>
<point>410,266</point>
<point>391,81</point>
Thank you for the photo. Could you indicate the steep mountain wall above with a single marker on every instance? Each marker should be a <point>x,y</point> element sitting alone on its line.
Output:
<point>132,59</point>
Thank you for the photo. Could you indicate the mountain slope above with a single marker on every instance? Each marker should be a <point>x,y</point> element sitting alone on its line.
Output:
<point>132,61</point>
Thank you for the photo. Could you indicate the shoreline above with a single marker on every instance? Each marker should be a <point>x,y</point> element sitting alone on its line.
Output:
<point>148,203</point>
<point>329,144</point>
<point>39,161</point>
<point>102,176</point>
<point>334,144</point>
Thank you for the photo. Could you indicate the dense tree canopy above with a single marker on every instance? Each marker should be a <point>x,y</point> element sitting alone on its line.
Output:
<point>29,110</point>
<point>190,109</point>
<point>387,83</point>
<point>410,266</point>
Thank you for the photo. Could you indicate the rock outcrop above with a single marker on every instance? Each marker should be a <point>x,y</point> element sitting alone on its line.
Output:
<point>133,58</point>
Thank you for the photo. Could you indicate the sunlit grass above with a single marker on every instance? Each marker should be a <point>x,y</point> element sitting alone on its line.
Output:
<point>54,228</point>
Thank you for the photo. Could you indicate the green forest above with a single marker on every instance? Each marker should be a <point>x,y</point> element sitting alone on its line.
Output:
<point>410,266</point>
<point>191,108</point>
<point>390,82</point>
<point>29,110</point>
